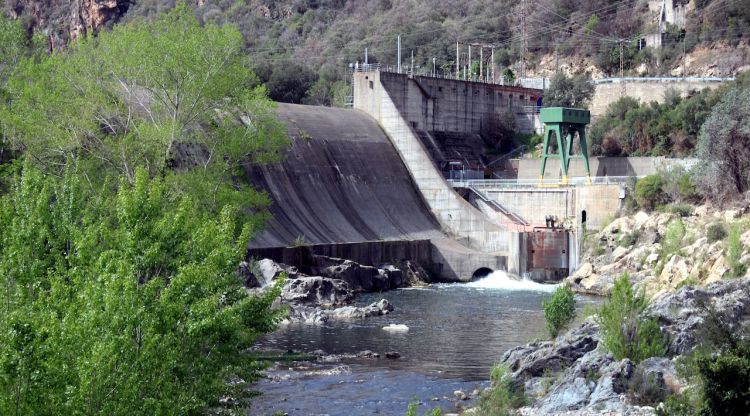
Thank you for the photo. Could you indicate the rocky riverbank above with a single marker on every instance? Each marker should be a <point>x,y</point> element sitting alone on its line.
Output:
<point>332,285</point>
<point>663,251</point>
<point>575,375</point>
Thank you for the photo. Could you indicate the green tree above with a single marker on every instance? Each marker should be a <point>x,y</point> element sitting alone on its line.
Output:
<point>649,193</point>
<point>724,147</point>
<point>564,91</point>
<point>559,310</point>
<point>121,305</point>
<point>184,97</point>
<point>626,332</point>
<point>290,82</point>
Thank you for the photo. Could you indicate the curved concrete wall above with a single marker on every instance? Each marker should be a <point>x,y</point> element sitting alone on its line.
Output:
<point>342,181</point>
<point>461,220</point>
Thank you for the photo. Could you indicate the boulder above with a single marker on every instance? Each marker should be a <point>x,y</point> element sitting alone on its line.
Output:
<point>269,271</point>
<point>675,271</point>
<point>382,307</point>
<point>317,290</point>
<point>359,277</point>
<point>536,358</point>
<point>619,253</point>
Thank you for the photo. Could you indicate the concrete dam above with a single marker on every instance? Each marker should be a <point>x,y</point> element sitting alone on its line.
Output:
<point>368,184</point>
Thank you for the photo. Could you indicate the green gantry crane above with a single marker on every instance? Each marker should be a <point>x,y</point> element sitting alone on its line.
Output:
<point>568,121</point>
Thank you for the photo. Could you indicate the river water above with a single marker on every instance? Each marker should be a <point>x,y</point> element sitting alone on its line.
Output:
<point>456,332</point>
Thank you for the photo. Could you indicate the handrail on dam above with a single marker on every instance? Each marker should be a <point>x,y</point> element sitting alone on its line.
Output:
<point>534,183</point>
<point>499,208</point>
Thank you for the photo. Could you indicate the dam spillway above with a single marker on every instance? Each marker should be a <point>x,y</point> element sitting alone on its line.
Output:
<point>341,181</point>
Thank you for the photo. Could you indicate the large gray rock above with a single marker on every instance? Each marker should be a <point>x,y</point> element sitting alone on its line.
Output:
<point>317,290</point>
<point>268,271</point>
<point>317,316</point>
<point>360,278</point>
<point>382,307</point>
<point>681,313</point>
<point>538,358</point>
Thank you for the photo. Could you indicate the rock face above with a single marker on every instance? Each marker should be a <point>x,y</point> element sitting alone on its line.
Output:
<point>359,277</point>
<point>317,290</point>
<point>681,313</point>
<point>79,18</point>
<point>575,374</point>
<point>635,244</point>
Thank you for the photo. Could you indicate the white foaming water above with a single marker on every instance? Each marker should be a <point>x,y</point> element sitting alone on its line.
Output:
<point>500,280</point>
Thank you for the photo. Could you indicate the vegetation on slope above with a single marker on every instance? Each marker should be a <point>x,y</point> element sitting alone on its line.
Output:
<point>326,35</point>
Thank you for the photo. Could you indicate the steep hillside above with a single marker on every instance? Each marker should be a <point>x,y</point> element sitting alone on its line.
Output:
<point>326,35</point>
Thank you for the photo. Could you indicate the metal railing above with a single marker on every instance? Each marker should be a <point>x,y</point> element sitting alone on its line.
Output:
<point>533,183</point>
<point>499,207</point>
<point>659,79</point>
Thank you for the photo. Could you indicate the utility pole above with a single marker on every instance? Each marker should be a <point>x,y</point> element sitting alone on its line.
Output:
<point>524,41</point>
<point>399,54</point>
<point>481,72</point>
<point>412,62</point>
<point>433,67</point>
<point>622,69</point>
<point>684,60</point>
<point>470,74</point>
<point>458,62</point>
<point>622,60</point>
<point>366,62</point>
<point>492,63</point>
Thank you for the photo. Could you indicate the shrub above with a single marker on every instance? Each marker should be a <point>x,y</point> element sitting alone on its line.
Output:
<point>716,232</point>
<point>682,210</point>
<point>648,192</point>
<point>412,410</point>
<point>686,189</point>
<point>672,238</point>
<point>734,252</point>
<point>559,310</point>
<point>503,396</point>
<point>626,333</point>
<point>646,388</point>
<point>726,380</point>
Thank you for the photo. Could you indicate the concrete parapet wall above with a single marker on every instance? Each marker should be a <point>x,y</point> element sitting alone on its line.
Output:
<point>645,91</point>
<point>439,104</point>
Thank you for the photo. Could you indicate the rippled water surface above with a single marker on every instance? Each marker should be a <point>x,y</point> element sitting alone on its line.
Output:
<point>456,332</point>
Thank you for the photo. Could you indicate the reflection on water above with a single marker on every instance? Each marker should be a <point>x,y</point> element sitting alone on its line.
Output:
<point>456,333</point>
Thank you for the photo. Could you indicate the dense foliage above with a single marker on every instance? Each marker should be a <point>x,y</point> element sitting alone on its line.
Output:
<point>125,220</point>
<point>569,91</point>
<point>724,146</point>
<point>559,310</point>
<point>626,332</point>
<point>121,306</point>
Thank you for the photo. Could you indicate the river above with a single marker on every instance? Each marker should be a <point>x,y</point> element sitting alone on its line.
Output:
<point>456,332</point>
